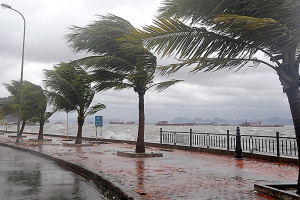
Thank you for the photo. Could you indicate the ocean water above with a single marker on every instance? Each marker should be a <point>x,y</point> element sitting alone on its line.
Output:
<point>129,131</point>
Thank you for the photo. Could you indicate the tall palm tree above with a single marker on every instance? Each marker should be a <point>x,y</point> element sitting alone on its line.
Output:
<point>219,34</point>
<point>117,62</point>
<point>69,89</point>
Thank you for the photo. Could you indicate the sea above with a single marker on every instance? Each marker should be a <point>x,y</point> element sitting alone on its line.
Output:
<point>152,132</point>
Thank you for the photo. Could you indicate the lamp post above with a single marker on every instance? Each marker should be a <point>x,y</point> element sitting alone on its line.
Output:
<point>21,81</point>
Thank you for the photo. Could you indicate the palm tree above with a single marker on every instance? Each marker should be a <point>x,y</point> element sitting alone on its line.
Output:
<point>219,34</point>
<point>69,89</point>
<point>117,62</point>
<point>33,102</point>
<point>36,100</point>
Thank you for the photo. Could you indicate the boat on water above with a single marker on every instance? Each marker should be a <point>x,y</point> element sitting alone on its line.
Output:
<point>259,124</point>
<point>212,124</point>
<point>204,124</point>
<point>166,123</point>
<point>120,122</point>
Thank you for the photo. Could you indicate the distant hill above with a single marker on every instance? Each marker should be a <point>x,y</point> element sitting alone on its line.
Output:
<point>7,99</point>
<point>182,120</point>
<point>270,121</point>
<point>9,118</point>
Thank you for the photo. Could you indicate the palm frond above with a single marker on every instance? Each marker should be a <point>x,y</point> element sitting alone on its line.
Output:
<point>105,32</point>
<point>164,85</point>
<point>253,31</point>
<point>95,108</point>
<point>48,115</point>
<point>109,63</point>
<point>210,65</point>
<point>205,11</point>
<point>172,37</point>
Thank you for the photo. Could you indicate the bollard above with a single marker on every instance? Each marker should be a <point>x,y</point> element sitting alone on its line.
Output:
<point>191,137</point>
<point>227,140</point>
<point>174,138</point>
<point>277,141</point>
<point>238,148</point>
<point>160,136</point>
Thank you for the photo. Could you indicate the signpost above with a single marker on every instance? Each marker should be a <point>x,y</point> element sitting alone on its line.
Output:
<point>98,123</point>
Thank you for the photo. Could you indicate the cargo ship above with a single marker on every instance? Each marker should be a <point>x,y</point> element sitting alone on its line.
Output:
<point>166,123</point>
<point>258,124</point>
<point>120,122</point>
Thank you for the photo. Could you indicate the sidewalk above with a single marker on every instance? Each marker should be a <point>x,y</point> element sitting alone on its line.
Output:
<point>176,175</point>
<point>25,176</point>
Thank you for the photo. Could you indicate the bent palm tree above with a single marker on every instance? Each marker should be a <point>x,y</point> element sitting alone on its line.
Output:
<point>118,62</point>
<point>69,89</point>
<point>227,34</point>
<point>33,104</point>
<point>34,100</point>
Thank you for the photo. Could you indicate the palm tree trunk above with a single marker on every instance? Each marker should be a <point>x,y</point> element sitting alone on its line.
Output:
<point>41,131</point>
<point>140,145</point>
<point>294,102</point>
<point>22,128</point>
<point>289,79</point>
<point>80,120</point>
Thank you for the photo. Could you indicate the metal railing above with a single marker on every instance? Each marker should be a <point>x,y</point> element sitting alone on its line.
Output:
<point>273,145</point>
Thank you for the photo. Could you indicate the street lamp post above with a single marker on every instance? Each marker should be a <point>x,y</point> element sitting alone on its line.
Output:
<point>21,81</point>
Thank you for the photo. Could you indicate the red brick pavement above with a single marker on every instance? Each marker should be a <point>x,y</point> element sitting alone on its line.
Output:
<point>177,175</point>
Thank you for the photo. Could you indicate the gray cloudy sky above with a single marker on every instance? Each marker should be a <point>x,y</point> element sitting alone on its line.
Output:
<point>251,93</point>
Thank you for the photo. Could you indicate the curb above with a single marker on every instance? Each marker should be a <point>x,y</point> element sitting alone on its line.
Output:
<point>110,187</point>
<point>279,191</point>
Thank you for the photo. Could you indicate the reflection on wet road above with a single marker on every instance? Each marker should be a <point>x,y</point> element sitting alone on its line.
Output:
<point>26,176</point>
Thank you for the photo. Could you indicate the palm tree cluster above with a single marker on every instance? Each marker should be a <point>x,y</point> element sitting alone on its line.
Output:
<point>34,103</point>
<point>117,60</point>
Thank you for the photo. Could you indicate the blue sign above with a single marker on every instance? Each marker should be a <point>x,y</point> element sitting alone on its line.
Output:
<point>99,121</point>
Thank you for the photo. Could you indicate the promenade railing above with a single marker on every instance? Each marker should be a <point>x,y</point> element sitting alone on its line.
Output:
<point>259,144</point>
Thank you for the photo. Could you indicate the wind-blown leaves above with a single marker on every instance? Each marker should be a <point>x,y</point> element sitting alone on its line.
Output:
<point>93,109</point>
<point>250,26</point>
<point>164,85</point>
<point>214,32</point>
<point>34,101</point>
<point>205,11</point>
<point>100,36</point>
<point>69,87</point>
<point>33,104</point>
<point>172,37</point>
<point>120,60</point>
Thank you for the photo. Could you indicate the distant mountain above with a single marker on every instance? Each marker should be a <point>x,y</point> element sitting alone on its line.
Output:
<point>7,99</point>
<point>277,120</point>
<point>181,120</point>
<point>269,121</point>
<point>197,120</point>
<point>91,119</point>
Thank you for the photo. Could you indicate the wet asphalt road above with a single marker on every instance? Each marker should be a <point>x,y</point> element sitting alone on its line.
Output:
<point>26,176</point>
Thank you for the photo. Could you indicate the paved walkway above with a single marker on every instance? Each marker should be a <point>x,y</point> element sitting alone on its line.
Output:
<point>26,176</point>
<point>176,175</point>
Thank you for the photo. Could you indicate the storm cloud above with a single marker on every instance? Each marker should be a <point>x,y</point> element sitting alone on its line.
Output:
<point>251,93</point>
